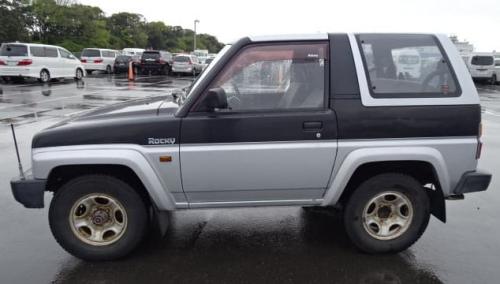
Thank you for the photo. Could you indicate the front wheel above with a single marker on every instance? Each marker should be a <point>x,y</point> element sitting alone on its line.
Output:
<point>98,217</point>
<point>387,213</point>
<point>493,79</point>
<point>79,74</point>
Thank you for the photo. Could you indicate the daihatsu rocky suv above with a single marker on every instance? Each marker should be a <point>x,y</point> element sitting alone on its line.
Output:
<point>317,120</point>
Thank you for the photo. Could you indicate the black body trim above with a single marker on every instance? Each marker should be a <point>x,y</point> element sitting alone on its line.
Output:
<point>473,182</point>
<point>356,121</point>
<point>28,191</point>
<point>343,77</point>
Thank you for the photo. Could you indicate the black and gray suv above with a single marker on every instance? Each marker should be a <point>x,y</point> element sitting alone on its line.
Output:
<point>154,61</point>
<point>331,120</point>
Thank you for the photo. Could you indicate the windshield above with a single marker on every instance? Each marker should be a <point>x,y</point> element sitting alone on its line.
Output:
<point>91,53</point>
<point>14,50</point>
<point>202,76</point>
<point>482,60</point>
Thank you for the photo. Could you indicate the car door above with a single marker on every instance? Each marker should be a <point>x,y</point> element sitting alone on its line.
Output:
<point>276,141</point>
<point>53,62</point>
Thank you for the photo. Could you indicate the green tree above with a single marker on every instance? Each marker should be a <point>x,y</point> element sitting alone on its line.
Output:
<point>127,30</point>
<point>12,21</point>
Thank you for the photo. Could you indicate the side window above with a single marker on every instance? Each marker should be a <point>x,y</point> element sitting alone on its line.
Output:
<point>51,52</point>
<point>406,66</point>
<point>275,77</point>
<point>497,62</point>
<point>66,54</point>
<point>37,51</point>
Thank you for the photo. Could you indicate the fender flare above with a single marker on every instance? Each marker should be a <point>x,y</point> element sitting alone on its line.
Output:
<point>45,161</point>
<point>343,173</point>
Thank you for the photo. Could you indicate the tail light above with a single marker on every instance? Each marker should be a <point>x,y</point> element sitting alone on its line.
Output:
<point>190,62</point>
<point>98,60</point>
<point>83,60</point>
<point>162,61</point>
<point>24,62</point>
<point>2,62</point>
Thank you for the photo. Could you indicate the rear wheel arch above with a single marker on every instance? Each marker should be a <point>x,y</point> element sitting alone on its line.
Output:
<point>422,171</point>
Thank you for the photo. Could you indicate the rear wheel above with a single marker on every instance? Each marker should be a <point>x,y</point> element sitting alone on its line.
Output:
<point>44,76</point>
<point>387,213</point>
<point>109,70</point>
<point>493,79</point>
<point>98,217</point>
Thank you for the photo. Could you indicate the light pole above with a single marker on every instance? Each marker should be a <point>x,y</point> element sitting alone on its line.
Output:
<point>194,44</point>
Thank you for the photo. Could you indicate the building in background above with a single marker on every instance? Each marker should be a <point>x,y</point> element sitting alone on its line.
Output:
<point>463,47</point>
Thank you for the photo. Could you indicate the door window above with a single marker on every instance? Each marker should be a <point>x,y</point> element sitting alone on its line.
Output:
<point>51,52</point>
<point>275,77</point>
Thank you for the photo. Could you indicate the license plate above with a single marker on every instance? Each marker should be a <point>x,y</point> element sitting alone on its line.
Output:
<point>12,63</point>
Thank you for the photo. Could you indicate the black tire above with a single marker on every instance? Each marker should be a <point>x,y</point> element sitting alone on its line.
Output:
<point>44,76</point>
<point>109,70</point>
<point>493,80</point>
<point>402,184</point>
<point>79,74</point>
<point>60,212</point>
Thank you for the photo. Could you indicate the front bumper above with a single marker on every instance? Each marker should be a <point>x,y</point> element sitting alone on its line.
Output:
<point>473,182</point>
<point>28,191</point>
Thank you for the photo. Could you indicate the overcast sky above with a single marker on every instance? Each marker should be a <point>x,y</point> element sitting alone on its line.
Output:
<point>477,21</point>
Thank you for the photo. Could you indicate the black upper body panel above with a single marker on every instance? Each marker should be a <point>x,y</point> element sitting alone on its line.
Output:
<point>137,121</point>
<point>132,122</point>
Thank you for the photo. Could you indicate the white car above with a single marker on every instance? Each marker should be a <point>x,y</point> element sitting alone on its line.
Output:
<point>40,61</point>
<point>98,59</point>
<point>482,67</point>
<point>186,63</point>
<point>133,51</point>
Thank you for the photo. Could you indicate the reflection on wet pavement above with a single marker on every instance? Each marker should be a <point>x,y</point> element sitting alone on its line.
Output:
<point>270,245</point>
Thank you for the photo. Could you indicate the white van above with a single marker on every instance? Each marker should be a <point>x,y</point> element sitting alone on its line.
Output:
<point>482,67</point>
<point>408,63</point>
<point>133,51</point>
<point>98,59</point>
<point>39,61</point>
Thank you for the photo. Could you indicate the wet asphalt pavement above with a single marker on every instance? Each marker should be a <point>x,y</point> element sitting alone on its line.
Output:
<point>250,245</point>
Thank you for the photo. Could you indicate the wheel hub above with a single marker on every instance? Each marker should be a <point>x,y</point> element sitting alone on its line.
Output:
<point>100,217</point>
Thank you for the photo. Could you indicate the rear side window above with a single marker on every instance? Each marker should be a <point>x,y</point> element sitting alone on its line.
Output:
<point>107,53</point>
<point>50,52</point>
<point>406,66</point>
<point>497,62</point>
<point>122,58</point>
<point>14,50</point>
<point>482,60</point>
<point>91,53</point>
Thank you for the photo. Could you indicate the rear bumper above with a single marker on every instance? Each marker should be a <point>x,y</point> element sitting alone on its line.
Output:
<point>94,66</point>
<point>28,191</point>
<point>15,71</point>
<point>473,182</point>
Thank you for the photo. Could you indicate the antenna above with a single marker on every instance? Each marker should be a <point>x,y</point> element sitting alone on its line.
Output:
<point>21,172</point>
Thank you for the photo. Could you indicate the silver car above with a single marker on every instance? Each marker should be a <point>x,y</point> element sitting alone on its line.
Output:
<point>188,64</point>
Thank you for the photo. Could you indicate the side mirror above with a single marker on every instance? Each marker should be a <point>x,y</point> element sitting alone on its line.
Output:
<point>216,99</point>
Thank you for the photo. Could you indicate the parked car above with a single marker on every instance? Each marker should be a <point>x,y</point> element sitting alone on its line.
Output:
<point>316,120</point>
<point>187,64</point>
<point>40,61</point>
<point>206,63</point>
<point>156,61</point>
<point>97,59</point>
<point>121,64</point>
<point>133,51</point>
<point>482,67</point>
